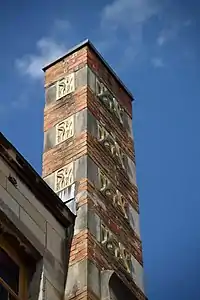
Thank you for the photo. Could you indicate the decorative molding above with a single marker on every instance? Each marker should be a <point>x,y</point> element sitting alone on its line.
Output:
<point>116,249</point>
<point>64,130</point>
<point>65,86</point>
<point>64,177</point>
<point>6,231</point>
<point>12,180</point>
<point>109,142</point>
<point>109,191</point>
<point>109,100</point>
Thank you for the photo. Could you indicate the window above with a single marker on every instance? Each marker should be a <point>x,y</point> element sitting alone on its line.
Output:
<point>12,274</point>
<point>118,290</point>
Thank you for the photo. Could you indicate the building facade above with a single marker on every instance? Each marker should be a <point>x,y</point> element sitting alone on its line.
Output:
<point>89,162</point>
<point>74,234</point>
<point>35,232</point>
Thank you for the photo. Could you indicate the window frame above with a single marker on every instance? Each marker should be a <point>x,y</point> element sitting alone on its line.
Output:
<point>22,294</point>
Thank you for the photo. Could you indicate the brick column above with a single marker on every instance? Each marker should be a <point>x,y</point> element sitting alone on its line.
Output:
<point>89,161</point>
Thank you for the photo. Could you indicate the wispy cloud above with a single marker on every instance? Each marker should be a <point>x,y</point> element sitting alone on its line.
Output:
<point>122,27</point>
<point>61,24</point>
<point>124,24</point>
<point>128,15</point>
<point>171,31</point>
<point>47,49</point>
<point>161,39</point>
<point>157,62</point>
<point>167,34</point>
<point>20,102</point>
<point>123,13</point>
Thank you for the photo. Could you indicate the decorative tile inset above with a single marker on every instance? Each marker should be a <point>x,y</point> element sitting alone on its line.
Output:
<point>65,86</point>
<point>111,243</point>
<point>108,190</point>
<point>109,101</point>
<point>64,177</point>
<point>109,142</point>
<point>64,130</point>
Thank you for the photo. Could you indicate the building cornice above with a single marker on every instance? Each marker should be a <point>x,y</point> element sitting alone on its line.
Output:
<point>35,183</point>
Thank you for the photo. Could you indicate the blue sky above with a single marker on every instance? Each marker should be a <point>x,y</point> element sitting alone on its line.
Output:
<point>153,46</point>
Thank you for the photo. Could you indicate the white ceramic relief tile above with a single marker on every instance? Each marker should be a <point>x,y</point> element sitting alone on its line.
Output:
<point>64,130</point>
<point>116,248</point>
<point>64,177</point>
<point>109,100</point>
<point>65,86</point>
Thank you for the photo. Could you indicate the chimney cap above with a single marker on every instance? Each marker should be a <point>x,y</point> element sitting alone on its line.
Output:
<point>88,43</point>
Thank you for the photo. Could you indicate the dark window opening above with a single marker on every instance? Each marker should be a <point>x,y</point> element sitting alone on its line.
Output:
<point>9,271</point>
<point>118,290</point>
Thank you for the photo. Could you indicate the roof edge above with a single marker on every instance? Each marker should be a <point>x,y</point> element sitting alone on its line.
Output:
<point>35,182</point>
<point>87,42</point>
<point>69,52</point>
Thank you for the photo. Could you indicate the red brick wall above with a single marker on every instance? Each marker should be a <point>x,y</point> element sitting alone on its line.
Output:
<point>56,157</point>
<point>98,67</point>
<point>83,244</point>
<point>65,107</point>
<point>69,64</point>
<point>101,114</point>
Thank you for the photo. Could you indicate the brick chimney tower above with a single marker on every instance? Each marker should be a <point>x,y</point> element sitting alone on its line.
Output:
<point>89,161</point>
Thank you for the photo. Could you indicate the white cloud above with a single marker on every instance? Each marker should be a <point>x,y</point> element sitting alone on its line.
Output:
<point>126,19</point>
<point>168,34</point>
<point>124,13</point>
<point>157,62</point>
<point>161,39</point>
<point>47,50</point>
<point>171,31</point>
<point>60,24</point>
<point>124,24</point>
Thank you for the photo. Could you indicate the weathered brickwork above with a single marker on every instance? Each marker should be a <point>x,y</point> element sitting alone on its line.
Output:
<point>96,65</point>
<point>120,226</point>
<point>99,112</point>
<point>78,60</point>
<point>113,171</point>
<point>65,107</point>
<point>79,247</point>
<point>74,149</point>
<point>67,65</point>
<point>102,259</point>
<point>89,154</point>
